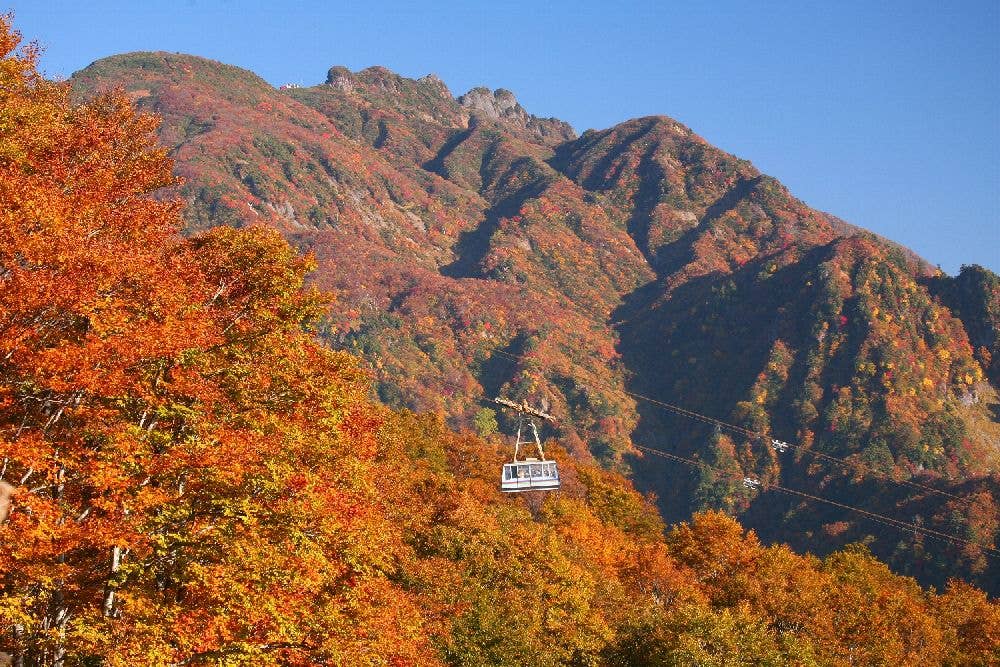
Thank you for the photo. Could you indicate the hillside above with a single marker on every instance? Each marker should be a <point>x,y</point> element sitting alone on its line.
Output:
<point>190,477</point>
<point>477,249</point>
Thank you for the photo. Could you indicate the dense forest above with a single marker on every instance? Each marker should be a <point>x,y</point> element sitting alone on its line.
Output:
<point>476,249</point>
<point>204,460</point>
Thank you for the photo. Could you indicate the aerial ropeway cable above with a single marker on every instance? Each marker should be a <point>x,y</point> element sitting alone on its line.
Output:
<point>779,446</point>
<point>752,483</point>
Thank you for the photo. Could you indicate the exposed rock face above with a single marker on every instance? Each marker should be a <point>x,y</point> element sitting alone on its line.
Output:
<point>501,105</point>
<point>341,78</point>
<point>428,98</point>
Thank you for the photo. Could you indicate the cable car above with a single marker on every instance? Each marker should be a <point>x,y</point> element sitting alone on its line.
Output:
<point>529,473</point>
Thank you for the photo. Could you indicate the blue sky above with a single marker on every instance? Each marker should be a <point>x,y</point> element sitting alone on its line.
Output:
<point>886,114</point>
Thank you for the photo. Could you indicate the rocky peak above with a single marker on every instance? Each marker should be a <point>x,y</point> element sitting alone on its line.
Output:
<point>502,106</point>
<point>434,83</point>
<point>498,105</point>
<point>376,77</point>
<point>340,77</point>
<point>380,78</point>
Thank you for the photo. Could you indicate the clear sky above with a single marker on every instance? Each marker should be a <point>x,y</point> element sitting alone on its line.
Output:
<point>886,114</point>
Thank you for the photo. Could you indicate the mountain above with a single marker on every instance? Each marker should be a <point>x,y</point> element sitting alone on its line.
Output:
<point>191,476</point>
<point>477,249</point>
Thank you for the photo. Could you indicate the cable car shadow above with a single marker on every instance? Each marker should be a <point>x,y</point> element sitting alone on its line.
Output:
<point>501,365</point>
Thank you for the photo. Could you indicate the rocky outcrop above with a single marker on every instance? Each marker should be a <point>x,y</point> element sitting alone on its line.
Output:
<point>500,105</point>
<point>341,78</point>
<point>433,82</point>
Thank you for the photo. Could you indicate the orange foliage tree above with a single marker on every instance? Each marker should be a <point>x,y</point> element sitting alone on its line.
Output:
<point>186,467</point>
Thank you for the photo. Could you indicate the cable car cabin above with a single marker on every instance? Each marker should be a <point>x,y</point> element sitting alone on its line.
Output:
<point>529,475</point>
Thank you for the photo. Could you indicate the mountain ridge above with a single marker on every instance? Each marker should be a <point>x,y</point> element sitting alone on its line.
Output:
<point>634,259</point>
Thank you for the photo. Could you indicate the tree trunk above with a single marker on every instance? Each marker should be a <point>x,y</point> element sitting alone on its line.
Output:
<point>108,604</point>
<point>5,492</point>
<point>18,657</point>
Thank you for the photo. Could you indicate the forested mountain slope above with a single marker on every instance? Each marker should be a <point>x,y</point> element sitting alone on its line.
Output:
<point>476,249</point>
<point>191,477</point>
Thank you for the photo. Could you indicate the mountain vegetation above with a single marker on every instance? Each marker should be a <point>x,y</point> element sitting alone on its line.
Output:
<point>478,249</point>
<point>192,474</point>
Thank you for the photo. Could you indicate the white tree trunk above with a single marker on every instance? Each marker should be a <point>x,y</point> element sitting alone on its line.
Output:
<point>108,604</point>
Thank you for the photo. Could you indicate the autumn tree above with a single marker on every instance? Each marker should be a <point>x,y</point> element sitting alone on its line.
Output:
<point>187,469</point>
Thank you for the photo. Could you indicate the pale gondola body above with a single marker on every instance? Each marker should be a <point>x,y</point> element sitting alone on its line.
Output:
<point>530,475</point>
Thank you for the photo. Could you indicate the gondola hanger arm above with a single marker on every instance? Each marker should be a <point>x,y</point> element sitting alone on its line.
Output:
<point>524,408</point>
